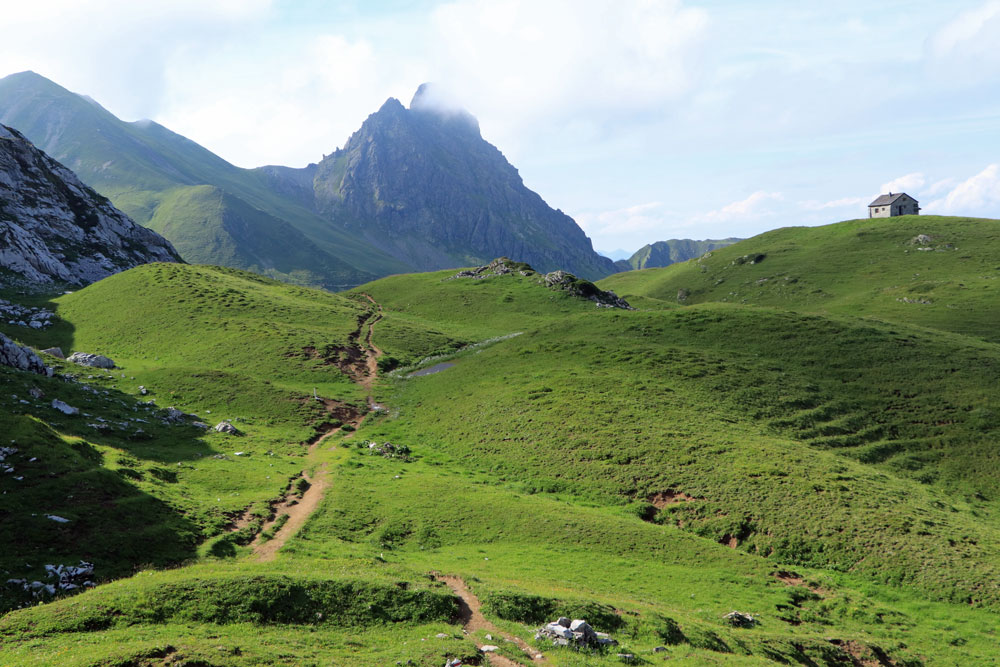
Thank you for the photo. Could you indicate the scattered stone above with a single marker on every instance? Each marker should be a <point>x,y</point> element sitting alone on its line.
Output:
<point>442,635</point>
<point>92,360</point>
<point>142,390</point>
<point>57,519</point>
<point>388,450</point>
<point>576,633</point>
<point>226,426</point>
<point>740,620</point>
<point>921,240</point>
<point>36,393</point>
<point>69,577</point>
<point>64,408</point>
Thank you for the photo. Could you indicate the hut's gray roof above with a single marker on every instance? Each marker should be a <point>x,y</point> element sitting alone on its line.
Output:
<point>885,200</point>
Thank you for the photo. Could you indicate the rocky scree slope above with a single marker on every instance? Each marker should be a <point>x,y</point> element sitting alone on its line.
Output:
<point>55,228</point>
<point>424,186</point>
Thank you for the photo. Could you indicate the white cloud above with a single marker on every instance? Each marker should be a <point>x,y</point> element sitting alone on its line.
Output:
<point>909,183</point>
<point>844,202</point>
<point>969,32</point>
<point>625,221</point>
<point>754,206</point>
<point>978,195</point>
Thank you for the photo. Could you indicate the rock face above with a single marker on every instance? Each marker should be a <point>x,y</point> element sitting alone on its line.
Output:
<point>424,186</point>
<point>54,228</point>
<point>21,358</point>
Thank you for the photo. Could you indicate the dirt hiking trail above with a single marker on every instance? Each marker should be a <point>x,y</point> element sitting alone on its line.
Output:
<point>473,621</point>
<point>296,509</point>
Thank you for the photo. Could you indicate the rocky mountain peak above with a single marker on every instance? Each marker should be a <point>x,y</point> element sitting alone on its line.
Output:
<point>423,185</point>
<point>55,228</point>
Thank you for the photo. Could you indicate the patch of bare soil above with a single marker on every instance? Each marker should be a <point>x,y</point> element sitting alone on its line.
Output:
<point>861,655</point>
<point>669,497</point>
<point>297,510</point>
<point>361,365</point>
<point>794,579</point>
<point>473,621</point>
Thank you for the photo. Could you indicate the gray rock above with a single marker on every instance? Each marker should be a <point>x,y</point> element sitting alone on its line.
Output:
<point>143,391</point>
<point>489,648</point>
<point>581,626</point>
<point>91,360</point>
<point>21,358</point>
<point>660,649</point>
<point>226,427</point>
<point>64,408</point>
<point>55,352</point>
<point>739,619</point>
<point>560,631</point>
<point>565,622</point>
<point>50,216</point>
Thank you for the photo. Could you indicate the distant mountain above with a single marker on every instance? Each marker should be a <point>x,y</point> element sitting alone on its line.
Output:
<point>159,178</point>
<point>424,186</point>
<point>55,228</point>
<point>413,189</point>
<point>665,253</point>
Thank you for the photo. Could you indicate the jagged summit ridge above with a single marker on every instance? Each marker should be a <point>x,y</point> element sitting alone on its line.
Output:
<point>425,187</point>
<point>55,228</point>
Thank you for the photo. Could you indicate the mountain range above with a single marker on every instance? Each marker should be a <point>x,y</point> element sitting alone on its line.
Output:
<point>413,189</point>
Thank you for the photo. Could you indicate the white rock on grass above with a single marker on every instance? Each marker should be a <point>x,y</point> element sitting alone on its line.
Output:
<point>64,408</point>
<point>91,360</point>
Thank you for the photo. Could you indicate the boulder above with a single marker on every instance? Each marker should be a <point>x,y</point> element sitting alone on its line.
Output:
<point>226,426</point>
<point>54,352</point>
<point>92,360</point>
<point>64,408</point>
<point>21,358</point>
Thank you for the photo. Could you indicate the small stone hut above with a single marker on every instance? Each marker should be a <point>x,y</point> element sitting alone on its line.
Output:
<point>891,205</point>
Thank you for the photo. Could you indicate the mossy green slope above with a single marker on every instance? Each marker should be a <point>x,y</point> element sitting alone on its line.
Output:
<point>933,271</point>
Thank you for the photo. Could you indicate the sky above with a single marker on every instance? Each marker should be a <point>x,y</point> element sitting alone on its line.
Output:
<point>643,119</point>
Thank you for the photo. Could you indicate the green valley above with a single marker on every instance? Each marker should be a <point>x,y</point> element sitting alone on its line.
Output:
<point>799,427</point>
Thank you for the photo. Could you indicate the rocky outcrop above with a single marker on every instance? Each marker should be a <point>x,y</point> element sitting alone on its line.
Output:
<point>557,280</point>
<point>53,228</point>
<point>423,185</point>
<point>567,282</point>
<point>21,358</point>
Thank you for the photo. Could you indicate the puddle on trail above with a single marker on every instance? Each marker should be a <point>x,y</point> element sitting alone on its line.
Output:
<point>431,370</point>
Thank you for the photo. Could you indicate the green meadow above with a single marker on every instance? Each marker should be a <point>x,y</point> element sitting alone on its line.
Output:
<point>772,431</point>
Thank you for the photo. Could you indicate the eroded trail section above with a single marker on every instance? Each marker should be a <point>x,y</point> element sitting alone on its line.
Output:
<point>360,363</point>
<point>473,620</point>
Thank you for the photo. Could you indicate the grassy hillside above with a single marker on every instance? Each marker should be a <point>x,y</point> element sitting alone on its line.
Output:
<point>881,268</point>
<point>209,226</point>
<point>834,476</point>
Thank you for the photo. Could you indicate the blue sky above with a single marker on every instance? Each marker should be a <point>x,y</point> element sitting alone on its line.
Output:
<point>643,120</point>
